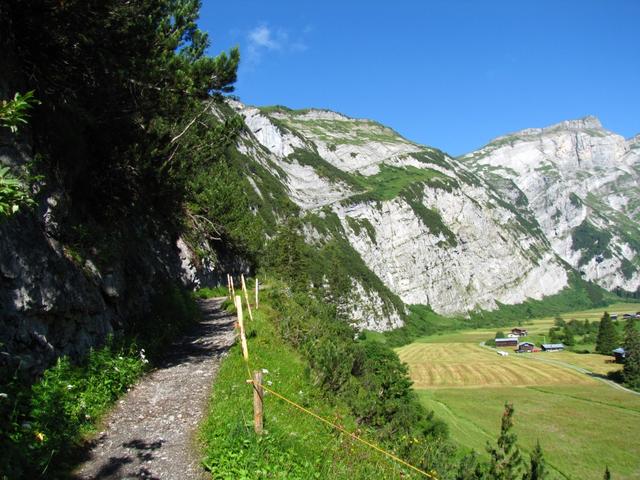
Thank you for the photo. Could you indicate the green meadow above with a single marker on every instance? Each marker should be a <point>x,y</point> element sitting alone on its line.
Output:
<point>583,423</point>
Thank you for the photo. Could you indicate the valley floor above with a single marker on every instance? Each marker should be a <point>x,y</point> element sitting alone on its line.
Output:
<point>582,423</point>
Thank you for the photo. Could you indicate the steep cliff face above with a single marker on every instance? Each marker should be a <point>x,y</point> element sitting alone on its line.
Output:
<point>429,228</point>
<point>582,184</point>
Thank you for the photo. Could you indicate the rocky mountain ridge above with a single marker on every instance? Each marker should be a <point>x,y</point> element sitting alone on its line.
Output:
<point>434,229</point>
<point>582,184</point>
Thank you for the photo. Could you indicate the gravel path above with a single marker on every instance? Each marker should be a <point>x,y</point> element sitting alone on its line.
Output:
<point>150,432</point>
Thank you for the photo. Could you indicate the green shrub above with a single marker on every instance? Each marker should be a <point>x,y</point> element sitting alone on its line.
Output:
<point>366,375</point>
<point>44,424</point>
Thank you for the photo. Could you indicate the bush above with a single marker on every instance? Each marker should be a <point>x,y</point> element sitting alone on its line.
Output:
<point>368,376</point>
<point>43,424</point>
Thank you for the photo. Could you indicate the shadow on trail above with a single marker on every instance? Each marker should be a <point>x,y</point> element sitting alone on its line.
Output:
<point>141,450</point>
<point>136,453</point>
<point>197,344</point>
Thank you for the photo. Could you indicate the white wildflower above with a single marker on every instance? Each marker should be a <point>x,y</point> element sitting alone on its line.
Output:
<point>269,382</point>
<point>3,395</point>
<point>143,357</point>
<point>69,387</point>
<point>265,371</point>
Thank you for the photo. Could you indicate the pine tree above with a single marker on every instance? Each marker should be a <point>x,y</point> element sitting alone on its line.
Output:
<point>607,474</point>
<point>631,371</point>
<point>607,336</point>
<point>470,468</point>
<point>506,460</point>
<point>537,466</point>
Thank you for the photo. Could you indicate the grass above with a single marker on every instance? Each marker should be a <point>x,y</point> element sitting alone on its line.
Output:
<point>207,292</point>
<point>338,131</point>
<point>444,365</point>
<point>582,428</point>
<point>390,181</point>
<point>582,423</point>
<point>295,445</point>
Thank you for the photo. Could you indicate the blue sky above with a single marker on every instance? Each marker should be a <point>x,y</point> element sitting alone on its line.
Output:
<point>450,74</point>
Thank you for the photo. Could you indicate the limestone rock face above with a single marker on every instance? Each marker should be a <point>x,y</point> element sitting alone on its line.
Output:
<point>430,228</point>
<point>582,184</point>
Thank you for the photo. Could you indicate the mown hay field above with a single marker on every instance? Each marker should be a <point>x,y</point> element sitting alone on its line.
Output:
<point>442,365</point>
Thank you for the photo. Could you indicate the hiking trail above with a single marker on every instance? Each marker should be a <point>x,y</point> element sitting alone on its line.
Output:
<point>150,432</point>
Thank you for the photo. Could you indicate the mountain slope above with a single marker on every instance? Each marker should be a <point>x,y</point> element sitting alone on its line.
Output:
<point>430,229</point>
<point>582,184</point>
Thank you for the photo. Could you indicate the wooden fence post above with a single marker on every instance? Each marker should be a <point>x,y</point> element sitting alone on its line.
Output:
<point>258,406</point>
<point>229,287</point>
<point>246,295</point>
<point>257,289</point>
<point>243,338</point>
<point>233,290</point>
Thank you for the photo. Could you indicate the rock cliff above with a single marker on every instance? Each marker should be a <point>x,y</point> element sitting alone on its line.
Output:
<point>582,184</point>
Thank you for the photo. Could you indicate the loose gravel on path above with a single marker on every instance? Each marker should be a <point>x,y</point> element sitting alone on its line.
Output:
<point>151,432</point>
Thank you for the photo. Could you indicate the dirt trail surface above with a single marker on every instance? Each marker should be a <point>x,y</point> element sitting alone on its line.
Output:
<point>150,432</point>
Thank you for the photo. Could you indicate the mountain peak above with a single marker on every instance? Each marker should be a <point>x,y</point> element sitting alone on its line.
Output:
<point>588,123</point>
<point>582,123</point>
<point>585,123</point>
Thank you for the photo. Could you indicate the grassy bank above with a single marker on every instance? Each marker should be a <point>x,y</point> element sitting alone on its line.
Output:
<point>295,445</point>
<point>316,359</point>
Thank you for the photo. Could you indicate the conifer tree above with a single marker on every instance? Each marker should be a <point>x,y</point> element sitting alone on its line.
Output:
<point>470,468</point>
<point>537,466</point>
<point>631,371</point>
<point>607,336</point>
<point>506,460</point>
<point>607,474</point>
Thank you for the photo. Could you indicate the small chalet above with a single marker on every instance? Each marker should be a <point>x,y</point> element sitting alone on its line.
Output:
<point>506,342</point>
<point>521,332</point>
<point>526,347</point>
<point>620,355</point>
<point>552,347</point>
